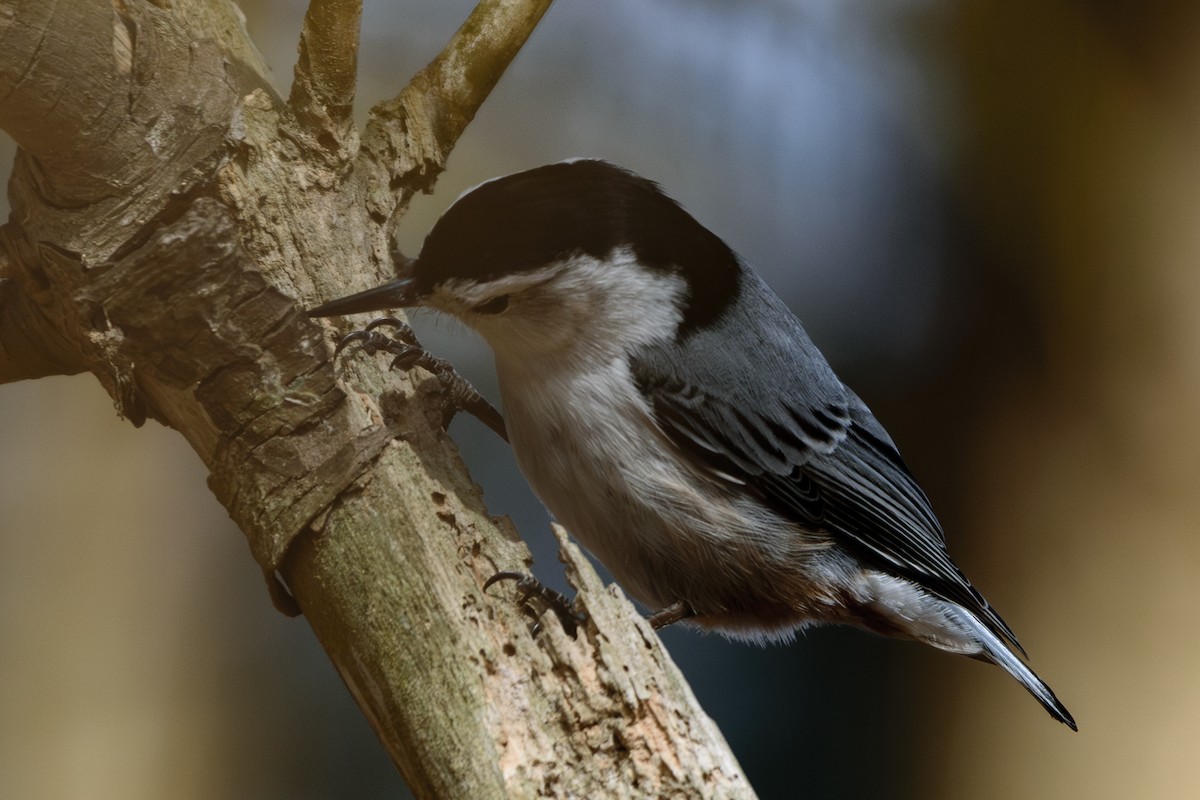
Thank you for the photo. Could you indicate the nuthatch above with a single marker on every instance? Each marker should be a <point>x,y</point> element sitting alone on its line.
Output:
<point>670,410</point>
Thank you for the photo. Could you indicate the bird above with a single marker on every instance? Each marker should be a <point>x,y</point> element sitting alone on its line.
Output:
<point>669,409</point>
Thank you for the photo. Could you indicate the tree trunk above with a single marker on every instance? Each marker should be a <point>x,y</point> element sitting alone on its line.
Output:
<point>172,216</point>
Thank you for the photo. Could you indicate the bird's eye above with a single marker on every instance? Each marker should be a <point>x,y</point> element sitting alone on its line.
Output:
<point>493,306</point>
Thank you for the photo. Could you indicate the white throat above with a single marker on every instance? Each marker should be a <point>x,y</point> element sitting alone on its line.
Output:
<point>582,313</point>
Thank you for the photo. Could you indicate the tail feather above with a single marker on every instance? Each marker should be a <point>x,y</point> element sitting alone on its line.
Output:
<point>996,651</point>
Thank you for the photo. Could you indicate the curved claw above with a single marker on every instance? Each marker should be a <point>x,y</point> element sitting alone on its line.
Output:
<point>407,358</point>
<point>394,322</point>
<point>349,339</point>
<point>519,577</point>
<point>531,587</point>
<point>373,340</point>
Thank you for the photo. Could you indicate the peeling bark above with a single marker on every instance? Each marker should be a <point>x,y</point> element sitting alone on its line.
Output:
<point>172,216</point>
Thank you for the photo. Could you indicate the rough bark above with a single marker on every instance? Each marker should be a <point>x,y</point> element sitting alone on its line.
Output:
<point>172,215</point>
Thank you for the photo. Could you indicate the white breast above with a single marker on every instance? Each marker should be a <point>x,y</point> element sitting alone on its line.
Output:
<point>588,446</point>
<point>584,443</point>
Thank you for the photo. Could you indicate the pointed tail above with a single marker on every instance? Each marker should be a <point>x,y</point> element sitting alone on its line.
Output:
<point>996,651</point>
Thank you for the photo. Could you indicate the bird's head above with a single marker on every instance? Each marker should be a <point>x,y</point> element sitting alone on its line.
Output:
<point>576,258</point>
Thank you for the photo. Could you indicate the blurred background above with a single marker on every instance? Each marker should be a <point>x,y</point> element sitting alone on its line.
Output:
<point>987,213</point>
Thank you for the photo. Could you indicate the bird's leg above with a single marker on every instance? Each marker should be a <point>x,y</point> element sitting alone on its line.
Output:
<point>533,589</point>
<point>530,588</point>
<point>676,612</point>
<point>401,341</point>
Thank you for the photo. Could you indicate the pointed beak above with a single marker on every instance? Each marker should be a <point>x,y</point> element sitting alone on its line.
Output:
<point>397,294</point>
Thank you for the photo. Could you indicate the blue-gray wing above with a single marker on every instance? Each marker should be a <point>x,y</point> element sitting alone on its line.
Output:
<point>760,407</point>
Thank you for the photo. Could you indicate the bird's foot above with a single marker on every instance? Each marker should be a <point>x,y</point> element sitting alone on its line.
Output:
<point>676,612</point>
<point>531,589</point>
<point>534,593</point>
<point>401,342</point>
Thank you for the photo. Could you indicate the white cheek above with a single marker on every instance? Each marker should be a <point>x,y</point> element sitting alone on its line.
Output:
<point>581,310</point>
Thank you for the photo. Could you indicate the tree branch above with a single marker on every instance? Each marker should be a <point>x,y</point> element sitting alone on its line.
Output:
<point>180,296</point>
<point>29,347</point>
<point>322,97</point>
<point>116,106</point>
<point>408,138</point>
<point>120,111</point>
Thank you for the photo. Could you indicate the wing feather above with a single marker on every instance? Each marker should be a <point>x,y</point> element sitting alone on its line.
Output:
<point>805,443</point>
